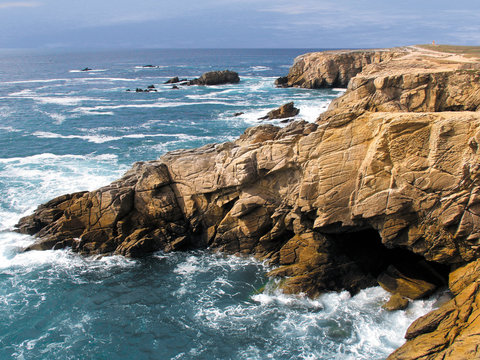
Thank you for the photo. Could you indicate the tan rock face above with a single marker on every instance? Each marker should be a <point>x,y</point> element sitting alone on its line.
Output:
<point>334,68</point>
<point>453,330</point>
<point>411,176</point>
<point>395,159</point>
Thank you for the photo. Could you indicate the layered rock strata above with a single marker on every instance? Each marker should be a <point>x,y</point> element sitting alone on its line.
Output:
<point>393,164</point>
<point>333,68</point>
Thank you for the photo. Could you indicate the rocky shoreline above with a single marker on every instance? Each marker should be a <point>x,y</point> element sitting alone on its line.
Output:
<point>383,188</point>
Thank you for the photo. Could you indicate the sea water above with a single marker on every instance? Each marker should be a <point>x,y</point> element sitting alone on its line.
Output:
<point>64,130</point>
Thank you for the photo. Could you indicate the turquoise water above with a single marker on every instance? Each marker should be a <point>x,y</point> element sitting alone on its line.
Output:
<point>64,130</point>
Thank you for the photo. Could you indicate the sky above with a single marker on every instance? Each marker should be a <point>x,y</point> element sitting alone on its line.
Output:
<point>237,23</point>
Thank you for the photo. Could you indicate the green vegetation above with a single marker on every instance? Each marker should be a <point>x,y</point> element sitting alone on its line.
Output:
<point>468,51</point>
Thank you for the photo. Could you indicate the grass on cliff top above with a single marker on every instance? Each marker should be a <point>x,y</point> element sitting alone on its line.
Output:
<point>468,51</point>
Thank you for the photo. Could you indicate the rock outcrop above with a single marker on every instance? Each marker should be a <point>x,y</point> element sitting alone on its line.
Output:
<point>285,111</point>
<point>173,80</point>
<point>333,68</point>
<point>216,78</point>
<point>389,175</point>
<point>452,331</point>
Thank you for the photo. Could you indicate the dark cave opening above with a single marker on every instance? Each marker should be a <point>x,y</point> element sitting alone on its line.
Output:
<point>364,250</point>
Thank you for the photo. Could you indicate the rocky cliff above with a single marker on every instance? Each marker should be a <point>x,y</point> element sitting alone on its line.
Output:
<point>386,180</point>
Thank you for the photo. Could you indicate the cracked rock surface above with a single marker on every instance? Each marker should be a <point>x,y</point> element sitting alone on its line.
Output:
<point>397,155</point>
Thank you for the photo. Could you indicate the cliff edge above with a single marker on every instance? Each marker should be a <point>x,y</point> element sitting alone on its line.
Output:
<point>387,178</point>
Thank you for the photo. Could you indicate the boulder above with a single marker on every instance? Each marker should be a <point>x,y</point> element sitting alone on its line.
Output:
<point>281,82</point>
<point>216,78</point>
<point>173,80</point>
<point>396,302</point>
<point>395,282</point>
<point>285,111</point>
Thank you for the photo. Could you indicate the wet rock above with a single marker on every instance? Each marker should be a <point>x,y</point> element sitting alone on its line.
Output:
<point>175,87</point>
<point>395,282</point>
<point>238,114</point>
<point>173,80</point>
<point>396,302</point>
<point>282,82</point>
<point>216,78</point>
<point>285,111</point>
<point>453,330</point>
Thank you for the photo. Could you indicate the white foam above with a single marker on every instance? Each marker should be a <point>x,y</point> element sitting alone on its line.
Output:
<point>58,118</point>
<point>8,129</point>
<point>65,100</point>
<point>12,258</point>
<point>369,330</point>
<point>35,81</point>
<point>57,100</point>
<point>112,79</point>
<point>190,266</point>
<point>151,105</point>
<point>5,111</point>
<point>100,139</point>
<point>84,111</point>
<point>97,139</point>
<point>41,177</point>
<point>49,158</point>
<point>309,111</point>
<point>260,68</point>
<point>23,93</point>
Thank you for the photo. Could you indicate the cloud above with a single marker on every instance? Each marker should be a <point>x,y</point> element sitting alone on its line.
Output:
<point>19,4</point>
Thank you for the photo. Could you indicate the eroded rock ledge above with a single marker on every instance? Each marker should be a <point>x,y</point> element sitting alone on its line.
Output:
<point>393,164</point>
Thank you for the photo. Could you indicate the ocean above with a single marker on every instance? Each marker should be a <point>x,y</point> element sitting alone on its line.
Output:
<point>64,130</point>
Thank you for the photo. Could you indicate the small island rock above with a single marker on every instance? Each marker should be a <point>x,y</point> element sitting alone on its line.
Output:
<point>285,111</point>
<point>216,78</point>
